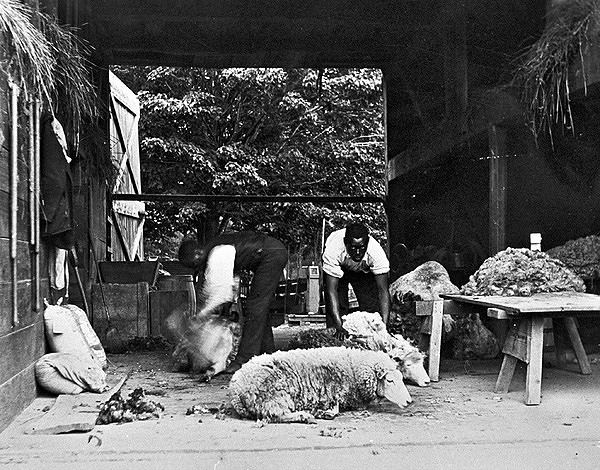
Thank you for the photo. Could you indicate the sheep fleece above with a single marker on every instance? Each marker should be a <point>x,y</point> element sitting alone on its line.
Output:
<point>271,386</point>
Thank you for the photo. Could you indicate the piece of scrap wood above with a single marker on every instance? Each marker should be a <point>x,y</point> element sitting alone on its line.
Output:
<point>73,413</point>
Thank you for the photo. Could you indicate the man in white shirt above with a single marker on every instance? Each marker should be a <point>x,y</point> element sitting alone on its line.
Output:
<point>353,257</point>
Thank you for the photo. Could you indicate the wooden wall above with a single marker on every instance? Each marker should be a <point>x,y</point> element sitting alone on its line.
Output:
<point>21,322</point>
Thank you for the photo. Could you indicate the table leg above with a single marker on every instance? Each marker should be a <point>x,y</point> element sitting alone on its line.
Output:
<point>584,364</point>
<point>535,348</point>
<point>435,340</point>
<point>559,342</point>
<point>505,376</point>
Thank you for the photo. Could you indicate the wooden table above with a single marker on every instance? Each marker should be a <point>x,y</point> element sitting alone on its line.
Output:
<point>525,341</point>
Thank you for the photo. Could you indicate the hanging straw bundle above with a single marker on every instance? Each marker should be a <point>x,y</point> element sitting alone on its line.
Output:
<point>543,76</point>
<point>48,63</point>
<point>28,56</point>
<point>74,96</point>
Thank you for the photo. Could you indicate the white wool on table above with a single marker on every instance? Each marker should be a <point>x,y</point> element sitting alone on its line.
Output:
<point>220,286</point>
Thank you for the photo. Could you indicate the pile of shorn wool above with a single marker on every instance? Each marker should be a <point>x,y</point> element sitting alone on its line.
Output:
<point>522,272</point>
<point>581,255</point>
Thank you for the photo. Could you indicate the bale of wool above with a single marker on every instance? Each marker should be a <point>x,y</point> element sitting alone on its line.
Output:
<point>522,272</point>
<point>425,282</point>
<point>474,340</point>
<point>88,332</point>
<point>69,373</point>
<point>64,333</point>
<point>582,256</point>
<point>298,385</point>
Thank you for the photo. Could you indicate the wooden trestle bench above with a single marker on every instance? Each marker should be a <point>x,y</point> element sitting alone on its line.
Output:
<point>525,340</point>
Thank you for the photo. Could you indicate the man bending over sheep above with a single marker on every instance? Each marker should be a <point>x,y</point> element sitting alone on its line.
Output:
<point>265,257</point>
<point>353,257</point>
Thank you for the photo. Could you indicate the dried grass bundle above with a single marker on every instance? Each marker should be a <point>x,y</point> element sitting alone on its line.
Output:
<point>29,58</point>
<point>543,75</point>
<point>49,63</point>
<point>74,94</point>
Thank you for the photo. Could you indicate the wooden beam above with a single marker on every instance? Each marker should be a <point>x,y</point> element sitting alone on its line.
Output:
<point>245,198</point>
<point>497,189</point>
<point>409,12</point>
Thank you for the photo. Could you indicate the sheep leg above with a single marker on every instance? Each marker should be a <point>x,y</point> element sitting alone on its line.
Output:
<point>297,417</point>
<point>209,373</point>
<point>328,414</point>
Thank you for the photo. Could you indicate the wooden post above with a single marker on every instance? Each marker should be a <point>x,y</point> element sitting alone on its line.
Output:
<point>455,65</point>
<point>36,194</point>
<point>497,206</point>
<point>497,193</point>
<point>13,180</point>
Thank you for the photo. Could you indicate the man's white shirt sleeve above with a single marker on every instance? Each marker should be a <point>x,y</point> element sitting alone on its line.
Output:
<point>219,284</point>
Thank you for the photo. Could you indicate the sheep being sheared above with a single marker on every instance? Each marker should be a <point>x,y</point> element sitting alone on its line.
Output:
<point>206,341</point>
<point>367,331</point>
<point>299,385</point>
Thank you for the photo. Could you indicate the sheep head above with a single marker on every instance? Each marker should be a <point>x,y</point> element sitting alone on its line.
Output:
<point>390,385</point>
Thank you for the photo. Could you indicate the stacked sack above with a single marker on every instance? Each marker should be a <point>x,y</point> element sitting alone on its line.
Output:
<point>77,359</point>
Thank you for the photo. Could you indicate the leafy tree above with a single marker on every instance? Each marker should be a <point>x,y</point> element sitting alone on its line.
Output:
<point>262,132</point>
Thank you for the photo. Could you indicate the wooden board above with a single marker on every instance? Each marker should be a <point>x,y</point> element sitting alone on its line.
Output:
<point>18,350</point>
<point>547,304</point>
<point>294,319</point>
<point>16,394</point>
<point>73,413</point>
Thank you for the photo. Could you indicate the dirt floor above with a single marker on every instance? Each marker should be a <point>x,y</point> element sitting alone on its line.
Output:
<point>456,423</point>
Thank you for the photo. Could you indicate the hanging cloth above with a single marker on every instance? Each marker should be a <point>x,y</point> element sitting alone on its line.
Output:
<point>56,184</point>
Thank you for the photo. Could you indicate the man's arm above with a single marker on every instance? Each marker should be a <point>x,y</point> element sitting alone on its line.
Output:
<point>332,304</point>
<point>381,280</point>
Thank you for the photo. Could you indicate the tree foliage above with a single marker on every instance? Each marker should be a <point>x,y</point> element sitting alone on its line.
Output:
<point>259,132</point>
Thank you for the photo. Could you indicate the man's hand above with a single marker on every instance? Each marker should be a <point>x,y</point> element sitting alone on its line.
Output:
<point>341,333</point>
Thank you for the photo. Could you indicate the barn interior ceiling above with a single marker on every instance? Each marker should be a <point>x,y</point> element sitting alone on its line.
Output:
<point>434,52</point>
<point>308,33</point>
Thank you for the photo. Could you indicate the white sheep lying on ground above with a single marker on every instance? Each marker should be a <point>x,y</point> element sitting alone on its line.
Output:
<point>368,331</point>
<point>299,385</point>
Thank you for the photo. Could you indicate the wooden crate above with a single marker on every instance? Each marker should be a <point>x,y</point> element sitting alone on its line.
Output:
<point>127,305</point>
